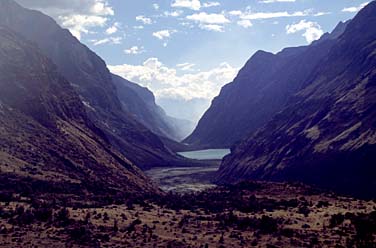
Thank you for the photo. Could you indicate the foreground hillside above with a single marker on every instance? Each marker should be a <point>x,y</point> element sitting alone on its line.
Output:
<point>246,215</point>
<point>326,134</point>
<point>48,144</point>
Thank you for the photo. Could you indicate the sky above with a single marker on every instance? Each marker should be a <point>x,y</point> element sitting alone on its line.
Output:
<point>186,50</point>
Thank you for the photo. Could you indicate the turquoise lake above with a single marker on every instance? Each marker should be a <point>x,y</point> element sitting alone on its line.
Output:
<point>206,154</point>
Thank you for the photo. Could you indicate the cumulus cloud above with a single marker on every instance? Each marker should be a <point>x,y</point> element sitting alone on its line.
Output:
<point>245,23</point>
<point>206,18</point>
<point>175,13</point>
<point>207,21</point>
<point>156,6</point>
<point>163,34</point>
<point>143,19</point>
<point>190,4</point>
<point>166,82</point>
<point>113,29</point>
<point>235,12</point>
<point>210,4</point>
<point>79,24</point>
<point>193,4</point>
<point>311,30</point>
<point>134,50</point>
<point>212,27</point>
<point>79,16</point>
<point>355,8</point>
<point>277,1</point>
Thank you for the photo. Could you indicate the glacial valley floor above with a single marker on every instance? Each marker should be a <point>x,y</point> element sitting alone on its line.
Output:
<point>250,214</point>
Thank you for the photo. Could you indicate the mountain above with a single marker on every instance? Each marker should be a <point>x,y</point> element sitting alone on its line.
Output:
<point>48,144</point>
<point>140,101</point>
<point>260,90</point>
<point>91,79</point>
<point>189,110</point>
<point>326,132</point>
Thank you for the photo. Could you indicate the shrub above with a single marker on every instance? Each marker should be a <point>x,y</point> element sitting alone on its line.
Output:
<point>336,219</point>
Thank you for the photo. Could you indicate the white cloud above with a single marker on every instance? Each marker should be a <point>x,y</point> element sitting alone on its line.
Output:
<point>271,15</point>
<point>206,18</point>
<point>163,34</point>
<point>355,8</point>
<point>210,4</point>
<point>245,23</point>
<point>110,40</point>
<point>79,16</point>
<point>211,22</point>
<point>173,13</point>
<point>134,50</point>
<point>138,27</point>
<point>156,6</point>
<point>190,4</point>
<point>212,27</point>
<point>79,24</point>
<point>312,30</point>
<point>113,29</point>
<point>165,82</point>
<point>322,13</point>
<point>236,13</point>
<point>185,66</point>
<point>144,20</point>
<point>277,1</point>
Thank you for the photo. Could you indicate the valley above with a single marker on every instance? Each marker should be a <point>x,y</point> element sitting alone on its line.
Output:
<point>285,156</point>
<point>192,178</point>
<point>254,214</point>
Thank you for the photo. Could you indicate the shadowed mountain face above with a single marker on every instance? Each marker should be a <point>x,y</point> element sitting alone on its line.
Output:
<point>48,144</point>
<point>326,132</point>
<point>140,101</point>
<point>92,81</point>
<point>260,90</point>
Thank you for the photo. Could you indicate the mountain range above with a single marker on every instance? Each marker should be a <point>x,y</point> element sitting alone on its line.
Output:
<point>48,143</point>
<point>260,90</point>
<point>104,99</point>
<point>140,101</point>
<point>305,114</point>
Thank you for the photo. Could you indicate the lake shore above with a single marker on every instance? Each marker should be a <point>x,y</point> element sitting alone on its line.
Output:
<point>190,179</point>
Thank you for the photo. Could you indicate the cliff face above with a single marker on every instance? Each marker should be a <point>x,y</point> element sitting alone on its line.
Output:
<point>48,144</point>
<point>260,90</point>
<point>326,133</point>
<point>91,79</point>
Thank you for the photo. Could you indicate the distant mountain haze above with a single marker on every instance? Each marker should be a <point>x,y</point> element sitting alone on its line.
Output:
<point>323,127</point>
<point>188,109</point>
<point>140,101</point>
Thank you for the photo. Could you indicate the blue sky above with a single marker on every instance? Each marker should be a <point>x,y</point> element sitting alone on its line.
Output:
<point>185,50</point>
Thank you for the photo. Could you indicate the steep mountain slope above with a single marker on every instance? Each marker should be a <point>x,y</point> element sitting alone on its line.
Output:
<point>91,79</point>
<point>327,133</point>
<point>260,90</point>
<point>48,145</point>
<point>140,101</point>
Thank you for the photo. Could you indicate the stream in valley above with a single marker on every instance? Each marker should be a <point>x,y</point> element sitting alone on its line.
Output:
<point>189,179</point>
